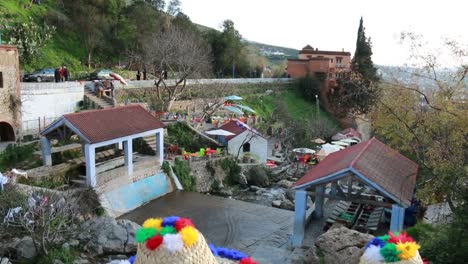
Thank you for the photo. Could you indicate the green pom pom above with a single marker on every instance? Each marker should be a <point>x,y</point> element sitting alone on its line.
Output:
<point>390,253</point>
<point>384,238</point>
<point>167,230</point>
<point>143,234</point>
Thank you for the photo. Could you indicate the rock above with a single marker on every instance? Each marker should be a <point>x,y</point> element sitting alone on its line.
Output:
<point>290,194</point>
<point>257,176</point>
<point>74,243</point>
<point>304,256</point>
<point>4,260</point>
<point>25,249</point>
<point>277,194</point>
<point>342,245</point>
<point>105,235</point>
<point>81,261</point>
<point>254,188</point>
<point>285,184</point>
<point>225,192</point>
<point>276,203</point>
<point>242,179</point>
<point>65,245</point>
<point>260,191</point>
<point>288,205</point>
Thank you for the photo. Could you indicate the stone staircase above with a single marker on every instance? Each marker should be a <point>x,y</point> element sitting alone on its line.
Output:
<point>95,102</point>
<point>151,141</point>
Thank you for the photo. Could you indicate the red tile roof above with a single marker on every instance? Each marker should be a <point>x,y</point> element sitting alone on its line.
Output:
<point>106,124</point>
<point>233,127</point>
<point>385,167</point>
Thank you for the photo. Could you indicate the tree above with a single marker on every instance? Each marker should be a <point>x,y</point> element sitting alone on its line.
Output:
<point>212,98</point>
<point>362,60</point>
<point>424,116</point>
<point>183,54</point>
<point>157,4</point>
<point>173,8</point>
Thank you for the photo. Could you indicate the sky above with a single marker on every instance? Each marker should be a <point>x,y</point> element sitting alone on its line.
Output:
<point>332,25</point>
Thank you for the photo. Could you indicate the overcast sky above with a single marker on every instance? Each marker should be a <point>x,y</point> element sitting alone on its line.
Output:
<point>332,25</point>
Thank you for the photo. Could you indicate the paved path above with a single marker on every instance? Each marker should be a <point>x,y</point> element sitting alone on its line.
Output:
<point>260,231</point>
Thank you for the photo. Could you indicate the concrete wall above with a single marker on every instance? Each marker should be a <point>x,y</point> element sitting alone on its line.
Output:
<point>258,146</point>
<point>49,100</point>
<point>130,196</point>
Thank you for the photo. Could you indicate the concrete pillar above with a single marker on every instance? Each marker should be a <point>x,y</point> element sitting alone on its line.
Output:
<point>160,146</point>
<point>334,188</point>
<point>120,145</point>
<point>90,157</point>
<point>398,218</point>
<point>300,208</point>
<point>128,149</point>
<point>319,191</point>
<point>46,152</point>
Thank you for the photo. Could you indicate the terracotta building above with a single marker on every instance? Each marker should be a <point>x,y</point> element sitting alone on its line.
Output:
<point>10,102</point>
<point>313,61</point>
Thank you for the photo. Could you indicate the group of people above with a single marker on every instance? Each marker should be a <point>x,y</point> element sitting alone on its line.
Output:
<point>101,87</point>
<point>61,74</point>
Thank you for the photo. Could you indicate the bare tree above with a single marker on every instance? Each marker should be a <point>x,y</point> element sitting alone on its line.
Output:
<point>212,98</point>
<point>181,53</point>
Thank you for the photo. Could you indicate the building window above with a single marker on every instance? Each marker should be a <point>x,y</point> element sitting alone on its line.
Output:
<point>1,79</point>
<point>339,60</point>
<point>246,147</point>
<point>331,60</point>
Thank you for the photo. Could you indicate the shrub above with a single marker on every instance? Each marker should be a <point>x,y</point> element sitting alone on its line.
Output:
<point>183,172</point>
<point>229,165</point>
<point>65,255</point>
<point>308,86</point>
<point>15,154</point>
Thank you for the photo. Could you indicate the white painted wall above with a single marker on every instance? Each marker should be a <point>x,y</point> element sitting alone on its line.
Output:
<point>48,100</point>
<point>258,145</point>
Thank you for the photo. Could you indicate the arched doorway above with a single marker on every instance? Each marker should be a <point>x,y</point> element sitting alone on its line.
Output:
<point>246,147</point>
<point>6,132</point>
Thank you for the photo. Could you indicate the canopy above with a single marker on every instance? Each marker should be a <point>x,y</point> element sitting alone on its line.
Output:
<point>233,98</point>
<point>219,132</point>
<point>350,140</point>
<point>319,141</point>
<point>329,148</point>
<point>340,143</point>
<point>304,150</point>
<point>245,108</point>
<point>233,109</point>
<point>118,78</point>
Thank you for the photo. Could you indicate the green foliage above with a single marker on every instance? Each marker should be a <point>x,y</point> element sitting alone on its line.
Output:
<point>140,146</point>
<point>362,61</point>
<point>232,169</point>
<point>11,199</point>
<point>60,157</point>
<point>14,155</point>
<point>216,186</point>
<point>65,255</point>
<point>183,172</point>
<point>29,37</point>
<point>181,135</point>
<point>308,86</point>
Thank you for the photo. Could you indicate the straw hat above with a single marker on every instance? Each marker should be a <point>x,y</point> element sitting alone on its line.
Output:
<point>397,248</point>
<point>175,240</point>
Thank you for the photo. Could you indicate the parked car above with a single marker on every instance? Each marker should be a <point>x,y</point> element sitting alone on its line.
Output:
<point>100,75</point>
<point>43,75</point>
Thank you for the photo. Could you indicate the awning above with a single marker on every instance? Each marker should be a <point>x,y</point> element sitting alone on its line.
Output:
<point>233,109</point>
<point>219,132</point>
<point>341,143</point>
<point>329,148</point>
<point>233,98</point>
<point>245,108</point>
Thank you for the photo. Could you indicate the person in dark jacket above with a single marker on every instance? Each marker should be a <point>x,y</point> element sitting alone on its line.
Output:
<point>57,75</point>
<point>138,75</point>
<point>65,73</point>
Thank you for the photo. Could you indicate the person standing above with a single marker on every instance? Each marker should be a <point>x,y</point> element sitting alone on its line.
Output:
<point>61,72</point>
<point>57,75</point>
<point>138,75</point>
<point>144,74</point>
<point>65,73</point>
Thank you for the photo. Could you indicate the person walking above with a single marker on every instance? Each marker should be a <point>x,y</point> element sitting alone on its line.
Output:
<point>61,72</point>
<point>144,74</point>
<point>65,73</point>
<point>138,75</point>
<point>57,75</point>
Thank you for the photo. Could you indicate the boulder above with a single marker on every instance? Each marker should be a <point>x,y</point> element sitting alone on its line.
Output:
<point>287,205</point>
<point>25,249</point>
<point>225,192</point>
<point>105,235</point>
<point>342,245</point>
<point>276,203</point>
<point>304,255</point>
<point>242,179</point>
<point>285,184</point>
<point>257,176</point>
<point>254,188</point>
<point>290,194</point>
<point>4,260</point>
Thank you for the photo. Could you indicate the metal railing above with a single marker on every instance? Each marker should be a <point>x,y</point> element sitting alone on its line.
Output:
<point>35,126</point>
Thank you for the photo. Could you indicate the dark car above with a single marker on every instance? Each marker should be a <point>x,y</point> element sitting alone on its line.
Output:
<point>43,75</point>
<point>101,74</point>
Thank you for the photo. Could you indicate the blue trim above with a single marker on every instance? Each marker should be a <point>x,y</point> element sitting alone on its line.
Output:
<point>377,187</point>
<point>300,208</point>
<point>330,177</point>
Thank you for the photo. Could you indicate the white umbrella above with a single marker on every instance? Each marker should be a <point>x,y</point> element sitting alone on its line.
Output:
<point>329,148</point>
<point>350,140</point>
<point>304,150</point>
<point>219,132</point>
<point>340,143</point>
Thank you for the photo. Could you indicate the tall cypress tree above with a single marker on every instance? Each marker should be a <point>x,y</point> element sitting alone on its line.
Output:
<point>362,61</point>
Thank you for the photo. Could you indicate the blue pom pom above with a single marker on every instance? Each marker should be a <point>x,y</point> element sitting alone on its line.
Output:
<point>169,220</point>
<point>131,259</point>
<point>375,242</point>
<point>213,249</point>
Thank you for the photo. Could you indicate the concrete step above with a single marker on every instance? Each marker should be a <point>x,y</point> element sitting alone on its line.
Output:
<point>78,183</point>
<point>82,177</point>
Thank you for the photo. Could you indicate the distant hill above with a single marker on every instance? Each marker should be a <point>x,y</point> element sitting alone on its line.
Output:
<point>274,52</point>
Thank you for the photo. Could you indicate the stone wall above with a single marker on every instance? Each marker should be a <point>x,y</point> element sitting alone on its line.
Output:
<point>204,177</point>
<point>9,89</point>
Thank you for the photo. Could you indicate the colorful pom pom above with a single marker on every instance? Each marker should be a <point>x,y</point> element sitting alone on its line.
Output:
<point>170,220</point>
<point>167,230</point>
<point>143,234</point>
<point>375,242</point>
<point>399,238</point>
<point>131,259</point>
<point>154,242</point>
<point>189,235</point>
<point>372,254</point>
<point>213,249</point>
<point>153,222</point>
<point>390,253</point>
<point>407,250</point>
<point>173,242</point>
<point>182,222</point>
<point>247,261</point>
<point>384,238</point>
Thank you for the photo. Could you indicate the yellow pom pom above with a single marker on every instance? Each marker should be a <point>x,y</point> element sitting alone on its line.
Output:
<point>153,222</point>
<point>407,249</point>
<point>189,235</point>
